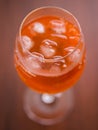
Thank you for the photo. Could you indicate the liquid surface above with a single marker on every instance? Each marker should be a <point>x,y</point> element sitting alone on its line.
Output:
<point>49,39</point>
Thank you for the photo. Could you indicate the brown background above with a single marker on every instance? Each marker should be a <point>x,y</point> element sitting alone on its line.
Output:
<point>85,113</point>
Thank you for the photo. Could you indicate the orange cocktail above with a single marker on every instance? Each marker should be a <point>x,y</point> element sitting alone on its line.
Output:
<point>50,55</point>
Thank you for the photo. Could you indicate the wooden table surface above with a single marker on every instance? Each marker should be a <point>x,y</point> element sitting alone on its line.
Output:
<point>85,113</point>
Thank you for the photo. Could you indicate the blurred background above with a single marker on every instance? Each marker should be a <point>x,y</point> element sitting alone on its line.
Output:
<point>85,113</point>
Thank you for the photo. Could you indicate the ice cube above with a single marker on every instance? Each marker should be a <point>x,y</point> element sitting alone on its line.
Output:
<point>59,36</point>
<point>58,26</point>
<point>48,48</point>
<point>73,32</point>
<point>60,61</point>
<point>47,51</point>
<point>49,42</point>
<point>59,58</point>
<point>73,39</point>
<point>74,54</point>
<point>38,56</point>
<point>69,49</point>
<point>55,68</point>
<point>27,42</point>
<point>58,65</point>
<point>33,61</point>
<point>38,27</point>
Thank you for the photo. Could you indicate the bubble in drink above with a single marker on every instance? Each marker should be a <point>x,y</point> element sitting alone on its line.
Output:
<point>27,42</point>
<point>48,48</point>
<point>58,26</point>
<point>38,27</point>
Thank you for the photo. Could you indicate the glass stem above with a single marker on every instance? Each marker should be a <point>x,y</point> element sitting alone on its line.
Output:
<point>49,98</point>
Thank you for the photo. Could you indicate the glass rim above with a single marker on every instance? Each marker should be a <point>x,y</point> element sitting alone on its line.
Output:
<point>52,7</point>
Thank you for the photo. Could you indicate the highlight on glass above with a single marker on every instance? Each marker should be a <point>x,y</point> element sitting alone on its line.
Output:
<point>49,58</point>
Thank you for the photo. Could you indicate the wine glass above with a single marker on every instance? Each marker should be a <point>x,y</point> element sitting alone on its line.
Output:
<point>49,58</point>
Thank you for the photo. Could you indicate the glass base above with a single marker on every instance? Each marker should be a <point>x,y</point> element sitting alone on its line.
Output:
<point>48,113</point>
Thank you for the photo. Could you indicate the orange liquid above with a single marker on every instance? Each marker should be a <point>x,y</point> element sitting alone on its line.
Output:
<point>64,37</point>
